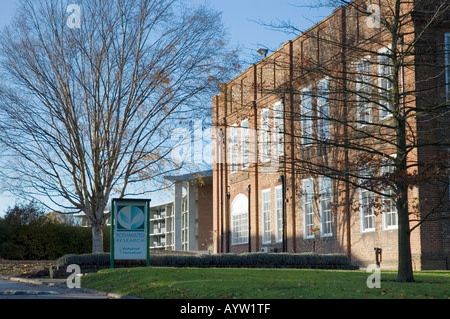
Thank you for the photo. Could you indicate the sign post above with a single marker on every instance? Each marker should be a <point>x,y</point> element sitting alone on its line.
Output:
<point>130,230</point>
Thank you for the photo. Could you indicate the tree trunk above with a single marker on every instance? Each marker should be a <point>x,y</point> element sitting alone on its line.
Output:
<point>97,237</point>
<point>405,271</point>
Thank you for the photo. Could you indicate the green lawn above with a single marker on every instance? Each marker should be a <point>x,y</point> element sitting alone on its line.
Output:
<point>244,283</point>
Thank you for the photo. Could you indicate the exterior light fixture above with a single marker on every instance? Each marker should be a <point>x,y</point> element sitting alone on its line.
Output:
<point>262,51</point>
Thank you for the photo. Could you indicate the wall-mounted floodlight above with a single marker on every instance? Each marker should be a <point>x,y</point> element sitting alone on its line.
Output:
<point>262,51</point>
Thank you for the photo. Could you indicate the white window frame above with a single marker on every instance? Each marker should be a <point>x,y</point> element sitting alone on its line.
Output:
<point>326,217</point>
<point>278,124</point>
<point>447,64</point>
<point>363,87</point>
<point>266,210</point>
<point>184,224</point>
<point>279,213</point>
<point>384,84</point>
<point>245,143</point>
<point>308,207</point>
<point>366,201</point>
<point>239,220</point>
<point>388,202</point>
<point>306,111</point>
<point>323,109</point>
<point>265,136</point>
<point>233,148</point>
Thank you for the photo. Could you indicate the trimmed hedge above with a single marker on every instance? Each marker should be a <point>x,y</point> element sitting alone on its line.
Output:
<point>95,259</point>
<point>262,260</point>
<point>249,260</point>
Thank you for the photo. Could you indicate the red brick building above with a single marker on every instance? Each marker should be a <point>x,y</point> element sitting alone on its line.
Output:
<point>305,140</point>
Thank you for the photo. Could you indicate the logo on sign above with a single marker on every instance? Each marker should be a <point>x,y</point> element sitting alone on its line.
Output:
<point>130,218</point>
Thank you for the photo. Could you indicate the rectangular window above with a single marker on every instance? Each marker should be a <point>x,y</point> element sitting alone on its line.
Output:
<point>385,83</point>
<point>265,136</point>
<point>367,211</point>
<point>308,207</point>
<point>363,91</point>
<point>279,213</point>
<point>389,209</point>
<point>325,206</point>
<point>234,148</point>
<point>266,231</point>
<point>240,228</point>
<point>306,116</point>
<point>323,110</point>
<point>239,220</point>
<point>184,224</point>
<point>447,65</point>
<point>245,143</point>
<point>278,124</point>
<point>366,206</point>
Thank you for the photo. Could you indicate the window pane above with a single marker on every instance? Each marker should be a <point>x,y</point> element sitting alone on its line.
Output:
<point>239,220</point>
<point>363,91</point>
<point>245,143</point>
<point>385,84</point>
<point>266,233</point>
<point>279,213</point>
<point>308,206</point>
<point>323,109</point>
<point>389,209</point>
<point>325,206</point>
<point>366,201</point>
<point>265,136</point>
<point>233,148</point>
<point>367,211</point>
<point>306,116</point>
<point>278,120</point>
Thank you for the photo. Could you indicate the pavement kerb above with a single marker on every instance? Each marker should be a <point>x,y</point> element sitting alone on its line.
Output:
<point>62,284</point>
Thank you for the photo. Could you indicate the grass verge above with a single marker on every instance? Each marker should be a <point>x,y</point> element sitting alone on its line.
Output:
<point>246,283</point>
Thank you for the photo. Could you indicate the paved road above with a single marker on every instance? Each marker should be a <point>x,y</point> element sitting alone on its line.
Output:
<point>32,289</point>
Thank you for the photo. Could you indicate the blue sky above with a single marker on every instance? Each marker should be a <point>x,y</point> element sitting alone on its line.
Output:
<point>239,17</point>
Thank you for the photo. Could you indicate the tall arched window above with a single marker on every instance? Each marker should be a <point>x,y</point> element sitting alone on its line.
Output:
<point>239,220</point>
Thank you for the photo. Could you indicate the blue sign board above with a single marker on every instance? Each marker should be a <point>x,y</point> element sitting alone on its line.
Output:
<point>130,238</point>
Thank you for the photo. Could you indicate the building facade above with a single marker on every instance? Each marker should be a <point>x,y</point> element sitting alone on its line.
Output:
<point>184,224</point>
<point>306,140</point>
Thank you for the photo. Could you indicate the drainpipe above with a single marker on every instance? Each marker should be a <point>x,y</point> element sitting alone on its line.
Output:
<point>283,210</point>
<point>249,224</point>
<point>219,146</point>
<point>225,175</point>
<point>227,218</point>
<point>284,216</point>
<point>221,209</point>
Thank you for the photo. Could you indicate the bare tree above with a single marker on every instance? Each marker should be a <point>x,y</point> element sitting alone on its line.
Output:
<point>91,93</point>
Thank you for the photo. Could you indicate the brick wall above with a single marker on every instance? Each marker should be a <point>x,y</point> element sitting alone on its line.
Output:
<point>324,51</point>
